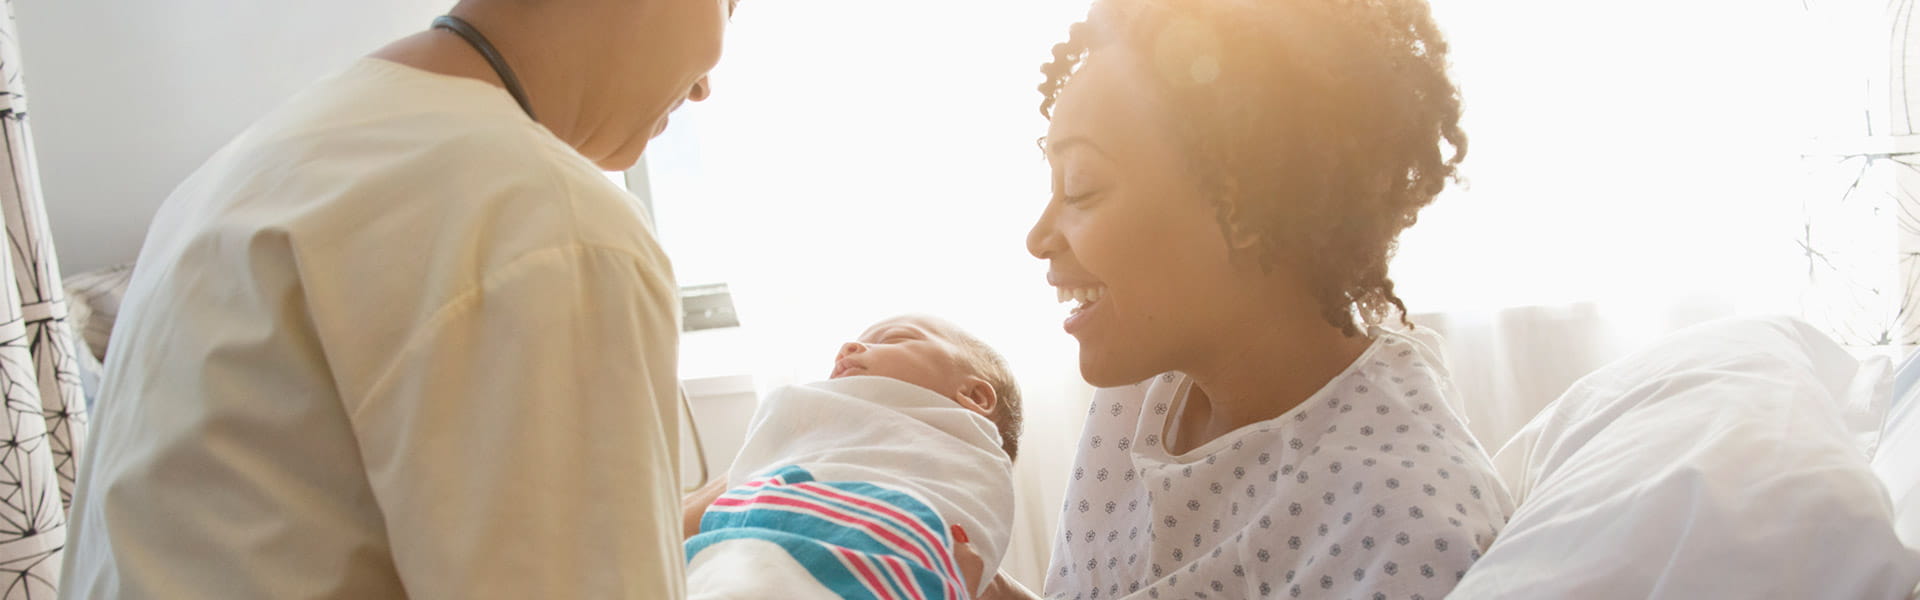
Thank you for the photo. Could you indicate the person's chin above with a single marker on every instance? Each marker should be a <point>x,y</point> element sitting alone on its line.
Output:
<point>1104,372</point>
<point>617,163</point>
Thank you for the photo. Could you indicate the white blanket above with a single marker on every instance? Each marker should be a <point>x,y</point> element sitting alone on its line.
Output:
<point>847,488</point>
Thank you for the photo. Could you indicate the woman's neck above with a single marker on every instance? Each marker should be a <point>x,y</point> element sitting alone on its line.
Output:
<point>542,66</point>
<point>1257,376</point>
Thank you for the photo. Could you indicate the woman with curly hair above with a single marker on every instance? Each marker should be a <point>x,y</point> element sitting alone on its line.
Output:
<point>1229,180</point>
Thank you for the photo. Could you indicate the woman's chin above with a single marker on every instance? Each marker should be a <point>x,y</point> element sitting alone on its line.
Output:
<point>1104,373</point>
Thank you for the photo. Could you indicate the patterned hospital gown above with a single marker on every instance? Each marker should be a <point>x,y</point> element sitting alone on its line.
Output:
<point>1371,489</point>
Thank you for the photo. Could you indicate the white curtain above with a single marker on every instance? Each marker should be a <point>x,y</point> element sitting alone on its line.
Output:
<point>1509,363</point>
<point>1635,167</point>
<point>1663,164</point>
<point>1863,225</point>
<point>45,422</point>
<point>1903,123</point>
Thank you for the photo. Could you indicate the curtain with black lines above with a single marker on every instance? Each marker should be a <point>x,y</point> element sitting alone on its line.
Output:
<point>1862,234</point>
<point>1902,129</point>
<point>45,422</point>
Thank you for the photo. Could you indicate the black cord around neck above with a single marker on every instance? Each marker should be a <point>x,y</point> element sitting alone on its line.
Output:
<point>499,63</point>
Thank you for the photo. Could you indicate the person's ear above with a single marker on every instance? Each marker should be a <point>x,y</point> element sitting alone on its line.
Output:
<point>978,395</point>
<point>1239,235</point>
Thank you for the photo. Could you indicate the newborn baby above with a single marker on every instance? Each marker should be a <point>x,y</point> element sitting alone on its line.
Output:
<point>853,487</point>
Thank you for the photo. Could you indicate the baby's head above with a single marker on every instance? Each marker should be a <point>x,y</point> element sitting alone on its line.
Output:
<point>933,354</point>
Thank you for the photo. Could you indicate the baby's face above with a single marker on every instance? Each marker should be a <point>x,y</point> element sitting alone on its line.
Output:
<point>915,350</point>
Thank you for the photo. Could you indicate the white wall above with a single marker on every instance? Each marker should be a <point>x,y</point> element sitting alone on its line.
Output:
<point>127,98</point>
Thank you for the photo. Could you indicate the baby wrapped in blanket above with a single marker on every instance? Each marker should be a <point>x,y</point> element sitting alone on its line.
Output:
<point>852,487</point>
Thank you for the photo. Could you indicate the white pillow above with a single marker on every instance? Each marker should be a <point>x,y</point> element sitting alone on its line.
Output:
<point>1717,463</point>
<point>1898,460</point>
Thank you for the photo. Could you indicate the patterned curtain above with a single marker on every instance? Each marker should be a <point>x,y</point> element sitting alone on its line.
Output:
<point>45,420</point>
<point>1903,152</point>
<point>1862,237</point>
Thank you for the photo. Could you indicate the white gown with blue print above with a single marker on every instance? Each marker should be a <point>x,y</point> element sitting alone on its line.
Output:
<point>1371,489</point>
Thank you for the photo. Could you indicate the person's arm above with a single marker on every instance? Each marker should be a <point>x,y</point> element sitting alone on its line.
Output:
<point>694,505</point>
<point>525,443</point>
<point>1005,588</point>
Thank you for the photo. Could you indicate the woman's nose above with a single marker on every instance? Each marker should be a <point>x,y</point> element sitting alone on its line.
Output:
<point>1043,241</point>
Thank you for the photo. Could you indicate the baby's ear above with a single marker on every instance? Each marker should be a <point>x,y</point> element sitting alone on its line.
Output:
<point>978,395</point>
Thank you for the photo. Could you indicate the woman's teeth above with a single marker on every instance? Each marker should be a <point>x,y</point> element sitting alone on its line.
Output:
<point>1085,296</point>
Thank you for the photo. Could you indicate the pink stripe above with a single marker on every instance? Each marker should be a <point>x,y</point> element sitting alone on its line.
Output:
<point>889,511</point>
<point>897,519</point>
<point>836,515</point>
<point>913,587</point>
<point>946,560</point>
<point>873,583</point>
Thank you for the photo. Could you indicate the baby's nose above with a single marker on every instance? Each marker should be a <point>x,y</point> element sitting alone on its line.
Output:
<point>851,348</point>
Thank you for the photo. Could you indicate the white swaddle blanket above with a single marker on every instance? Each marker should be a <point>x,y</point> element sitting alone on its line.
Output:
<point>845,489</point>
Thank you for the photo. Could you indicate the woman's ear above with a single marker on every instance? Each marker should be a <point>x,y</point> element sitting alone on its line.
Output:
<point>1239,235</point>
<point>977,394</point>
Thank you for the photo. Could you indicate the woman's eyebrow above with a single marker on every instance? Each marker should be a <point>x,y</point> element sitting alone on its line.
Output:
<point>1057,146</point>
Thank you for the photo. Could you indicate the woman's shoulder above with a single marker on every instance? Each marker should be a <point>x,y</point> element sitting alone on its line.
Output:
<point>1408,497</point>
<point>1396,414</point>
<point>1386,437</point>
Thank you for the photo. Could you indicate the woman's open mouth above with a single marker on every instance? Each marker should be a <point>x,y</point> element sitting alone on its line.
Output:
<point>1085,300</point>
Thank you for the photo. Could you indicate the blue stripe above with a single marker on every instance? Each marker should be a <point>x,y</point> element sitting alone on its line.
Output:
<point>805,537</point>
<point>813,555</point>
<point>899,587</point>
<point>811,528</point>
<point>899,501</point>
<point>913,510</point>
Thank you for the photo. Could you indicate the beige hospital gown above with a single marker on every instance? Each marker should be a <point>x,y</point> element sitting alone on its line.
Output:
<point>1371,489</point>
<point>396,340</point>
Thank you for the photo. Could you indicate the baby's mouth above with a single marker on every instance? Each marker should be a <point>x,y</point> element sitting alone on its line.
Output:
<point>842,369</point>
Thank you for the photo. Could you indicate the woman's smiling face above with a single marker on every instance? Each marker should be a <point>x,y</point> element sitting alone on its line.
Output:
<point>1129,234</point>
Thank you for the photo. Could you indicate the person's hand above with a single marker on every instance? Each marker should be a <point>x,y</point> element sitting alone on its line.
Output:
<point>970,563</point>
<point>1001,588</point>
<point>1005,588</point>
<point>695,504</point>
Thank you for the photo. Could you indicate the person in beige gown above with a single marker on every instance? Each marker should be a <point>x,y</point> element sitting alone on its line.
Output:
<point>401,338</point>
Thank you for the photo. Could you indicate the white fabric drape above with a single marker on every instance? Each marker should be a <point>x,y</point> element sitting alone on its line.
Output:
<point>45,416</point>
